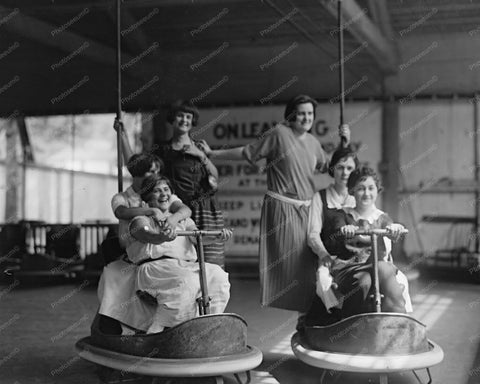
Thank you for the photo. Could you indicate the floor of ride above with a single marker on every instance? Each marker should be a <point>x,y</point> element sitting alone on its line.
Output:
<point>40,324</point>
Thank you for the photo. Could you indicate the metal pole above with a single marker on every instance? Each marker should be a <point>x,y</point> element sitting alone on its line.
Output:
<point>342,69</point>
<point>376,283</point>
<point>119,98</point>
<point>204,301</point>
<point>341,59</point>
<point>476,153</point>
<point>72,173</point>
<point>24,184</point>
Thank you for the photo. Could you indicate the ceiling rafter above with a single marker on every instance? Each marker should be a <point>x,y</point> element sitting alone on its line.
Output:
<point>364,30</point>
<point>42,32</point>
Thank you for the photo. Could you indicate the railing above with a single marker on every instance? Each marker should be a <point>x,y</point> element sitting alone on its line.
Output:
<point>59,241</point>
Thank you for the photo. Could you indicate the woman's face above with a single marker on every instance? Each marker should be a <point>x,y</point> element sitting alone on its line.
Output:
<point>365,193</point>
<point>303,118</point>
<point>160,196</point>
<point>154,169</point>
<point>183,121</point>
<point>342,170</point>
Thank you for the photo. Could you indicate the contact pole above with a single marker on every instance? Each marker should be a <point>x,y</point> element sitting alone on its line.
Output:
<point>376,283</point>
<point>119,97</point>
<point>342,69</point>
<point>204,301</point>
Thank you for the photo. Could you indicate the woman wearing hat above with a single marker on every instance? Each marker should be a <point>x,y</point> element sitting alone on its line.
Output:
<point>287,264</point>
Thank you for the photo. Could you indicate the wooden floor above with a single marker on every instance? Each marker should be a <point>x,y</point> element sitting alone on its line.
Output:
<point>39,326</point>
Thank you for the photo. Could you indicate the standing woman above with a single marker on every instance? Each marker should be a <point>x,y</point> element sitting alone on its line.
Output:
<point>193,175</point>
<point>287,265</point>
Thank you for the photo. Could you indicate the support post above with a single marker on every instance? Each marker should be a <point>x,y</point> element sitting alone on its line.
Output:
<point>476,153</point>
<point>389,166</point>
<point>12,173</point>
<point>119,96</point>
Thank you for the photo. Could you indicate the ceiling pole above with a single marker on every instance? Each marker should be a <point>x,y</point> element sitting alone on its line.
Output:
<point>119,98</point>
<point>72,173</point>
<point>341,72</point>
<point>365,31</point>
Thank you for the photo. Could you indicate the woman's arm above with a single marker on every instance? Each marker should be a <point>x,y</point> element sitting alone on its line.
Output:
<point>141,229</point>
<point>180,210</point>
<point>198,151</point>
<point>228,154</point>
<point>314,228</point>
<point>344,132</point>
<point>181,213</point>
<point>211,169</point>
<point>126,148</point>
<point>222,154</point>
<point>126,213</point>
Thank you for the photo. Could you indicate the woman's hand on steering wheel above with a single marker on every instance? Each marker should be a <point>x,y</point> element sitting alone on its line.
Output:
<point>168,228</point>
<point>395,231</point>
<point>348,231</point>
<point>226,234</point>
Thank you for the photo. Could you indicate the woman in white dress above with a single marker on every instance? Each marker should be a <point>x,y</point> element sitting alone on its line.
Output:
<point>167,264</point>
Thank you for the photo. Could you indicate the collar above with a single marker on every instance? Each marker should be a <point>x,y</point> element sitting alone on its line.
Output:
<point>334,200</point>
<point>371,218</point>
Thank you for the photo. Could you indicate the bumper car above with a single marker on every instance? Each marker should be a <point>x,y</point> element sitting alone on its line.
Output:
<point>205,347</point>
<point>374,342</point>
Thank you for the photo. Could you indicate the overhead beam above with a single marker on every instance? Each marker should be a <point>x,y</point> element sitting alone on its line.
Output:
<point>41,31</point>
<point>138,41</point>
<point>381,17</point>
<point>364,30</point>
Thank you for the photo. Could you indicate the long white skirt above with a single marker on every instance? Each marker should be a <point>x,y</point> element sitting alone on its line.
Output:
<point>118,298</point>
<point>176,286</point>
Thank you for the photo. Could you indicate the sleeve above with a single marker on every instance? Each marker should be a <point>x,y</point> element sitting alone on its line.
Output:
<point>139,222</point>
<point>315,224</point>
<point>190,224</point>
<point>266,146</point>
<point>335,242</point>
<point>322,162</point>
<point>175,198</point>
<point>119,200</point>
<point>384,220</point>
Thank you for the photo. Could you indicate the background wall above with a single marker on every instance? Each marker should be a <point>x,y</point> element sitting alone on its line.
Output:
<point>436,149</point>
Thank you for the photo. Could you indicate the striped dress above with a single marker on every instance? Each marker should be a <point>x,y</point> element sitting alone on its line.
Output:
<point>190,183</point>
<point>287,264</point>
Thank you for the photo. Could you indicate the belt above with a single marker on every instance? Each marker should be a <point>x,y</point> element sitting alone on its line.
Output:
<point>150,259</point>
<point>289,200</point>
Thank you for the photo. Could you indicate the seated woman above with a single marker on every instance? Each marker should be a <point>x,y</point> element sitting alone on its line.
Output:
<point>352,267</point>
<point>167,267</point>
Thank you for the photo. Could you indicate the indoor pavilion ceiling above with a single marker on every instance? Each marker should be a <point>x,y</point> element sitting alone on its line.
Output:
<point>59,56</point>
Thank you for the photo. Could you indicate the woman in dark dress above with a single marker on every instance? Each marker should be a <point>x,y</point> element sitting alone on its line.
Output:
<point>193,175</point>
<point>352,267</point>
